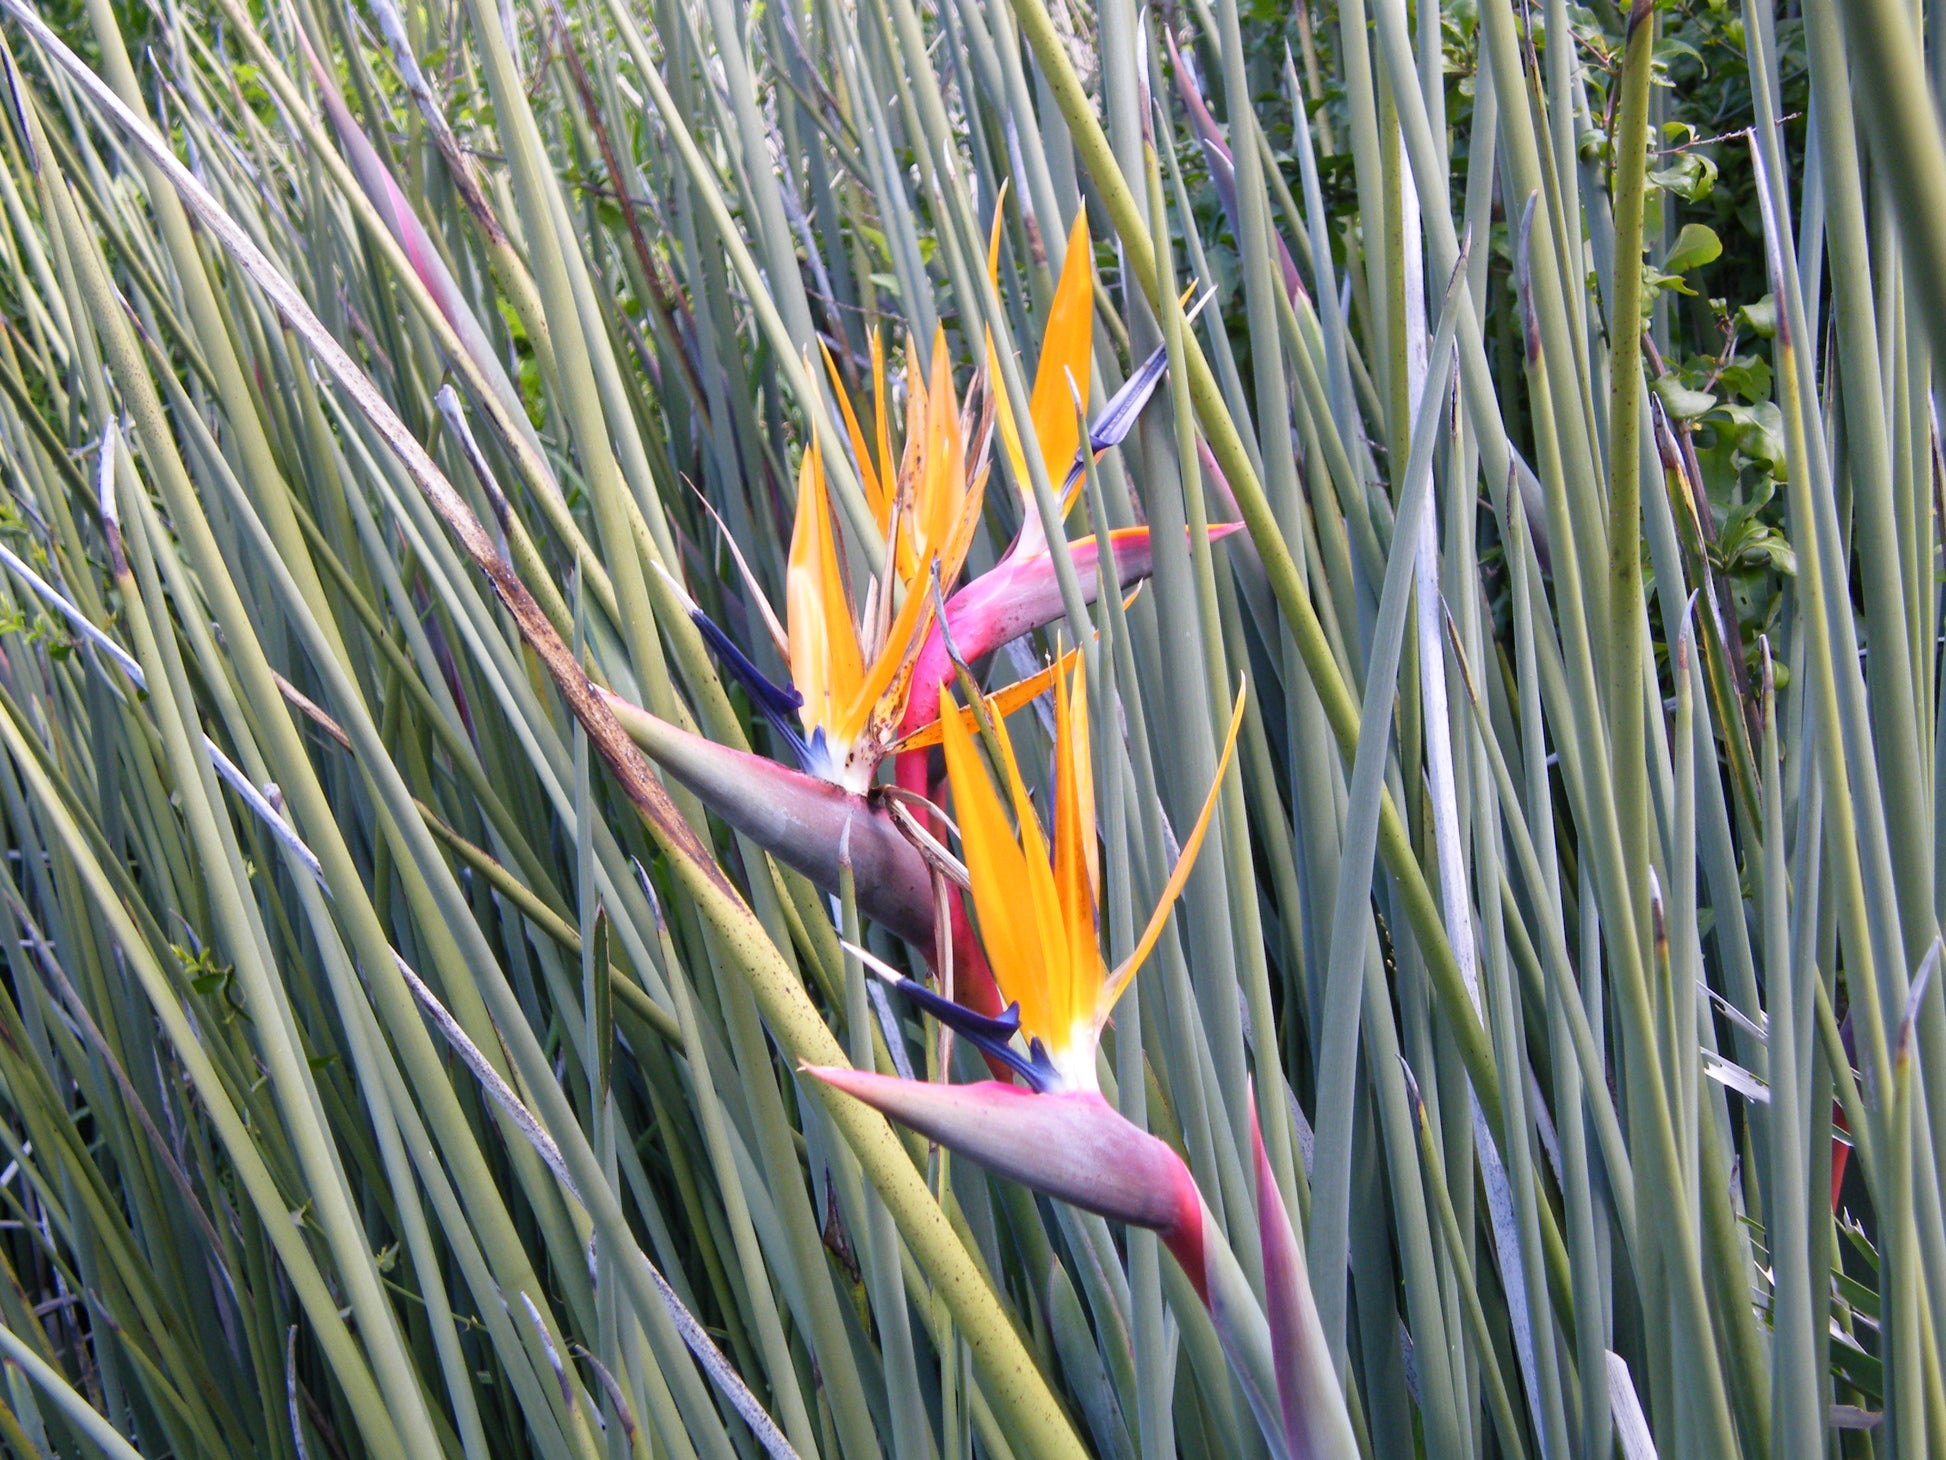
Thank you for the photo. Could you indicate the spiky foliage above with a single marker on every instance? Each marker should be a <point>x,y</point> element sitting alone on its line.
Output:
<point>393,1063</point>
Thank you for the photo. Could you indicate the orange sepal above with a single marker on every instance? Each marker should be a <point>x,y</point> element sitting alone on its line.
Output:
<point>998,871</point>
<point>1000,704</point>
<point>826,663</point>
<point>1185,863</point>
<point>875,493</point>
<point>1075,871</point>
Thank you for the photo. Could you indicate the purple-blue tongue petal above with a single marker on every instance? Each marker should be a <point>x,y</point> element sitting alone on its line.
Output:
<point>991,1034</point>
<point>1118,417</point>
<point>778,702</point>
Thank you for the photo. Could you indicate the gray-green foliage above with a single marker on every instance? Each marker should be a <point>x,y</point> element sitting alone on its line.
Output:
<point>381,1076</point>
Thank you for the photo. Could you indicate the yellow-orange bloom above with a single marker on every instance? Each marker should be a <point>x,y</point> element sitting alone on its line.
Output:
<point>853,666</point>
<point>1036,905</point>
<point>1067,348</point>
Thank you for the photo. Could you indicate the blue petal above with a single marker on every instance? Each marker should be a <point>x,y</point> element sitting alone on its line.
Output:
<point>1117,418</point>
<point>991,1036</point>
<point>814,756</point>
<point>778,702</point>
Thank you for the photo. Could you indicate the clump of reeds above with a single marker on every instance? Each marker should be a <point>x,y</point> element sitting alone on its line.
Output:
<point>1306,642</point>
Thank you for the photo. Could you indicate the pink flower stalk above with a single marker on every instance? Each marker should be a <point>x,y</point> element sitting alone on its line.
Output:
<point>1311,1404</point>
<point>1070,1144</point>
<point>1222,165</point>
<point>797,817</point>
<point>377,183</point>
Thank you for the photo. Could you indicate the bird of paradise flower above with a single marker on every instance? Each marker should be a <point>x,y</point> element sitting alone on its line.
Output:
<point>1036,900</point>
<point>865,671</point>
<point>851,672</point>
<point>865,668</point>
